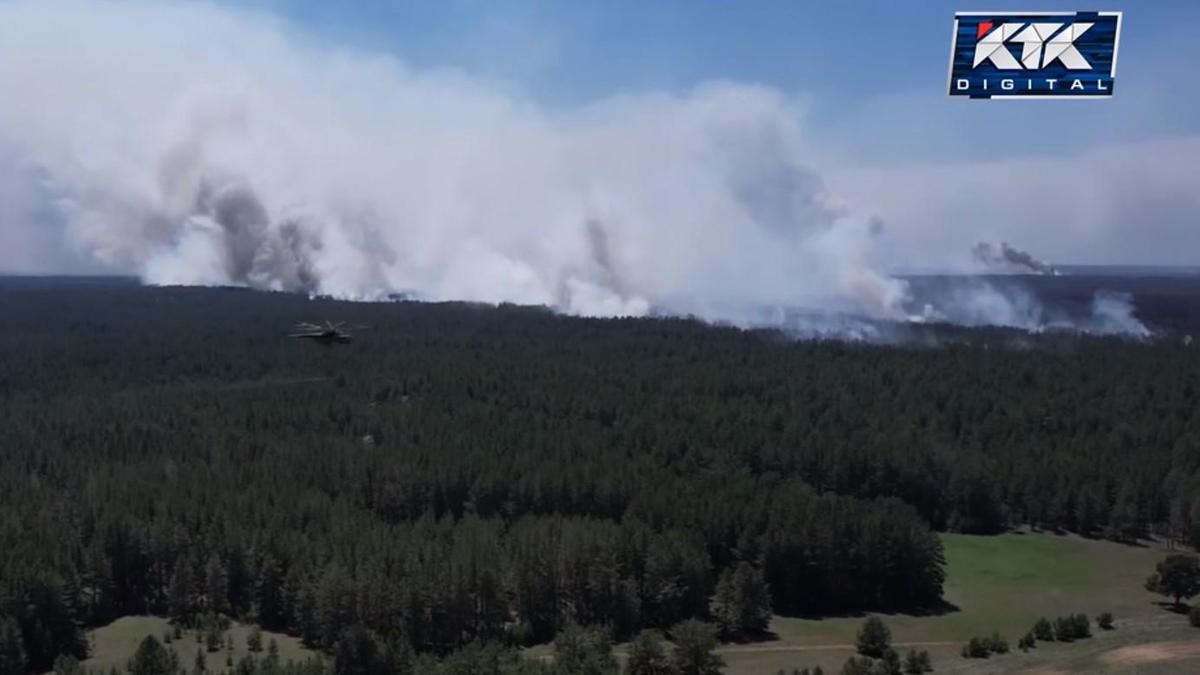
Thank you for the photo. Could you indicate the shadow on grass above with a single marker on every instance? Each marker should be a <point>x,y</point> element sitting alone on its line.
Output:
<point>1093,535</point>
<point>751,638</point>
<point>938,609</point>
<point>1180,608</point>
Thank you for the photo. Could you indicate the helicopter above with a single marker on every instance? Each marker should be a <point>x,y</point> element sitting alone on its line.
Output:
<point>326,333</point>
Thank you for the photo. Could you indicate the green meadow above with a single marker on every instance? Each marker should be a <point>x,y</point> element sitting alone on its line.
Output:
<point>998,584</point>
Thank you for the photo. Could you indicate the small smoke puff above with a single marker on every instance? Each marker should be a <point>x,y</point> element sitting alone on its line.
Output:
<point>1008,260</point>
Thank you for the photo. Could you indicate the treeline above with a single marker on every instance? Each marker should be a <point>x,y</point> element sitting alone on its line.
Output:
<point>316,566</point>
<point>461,474</point>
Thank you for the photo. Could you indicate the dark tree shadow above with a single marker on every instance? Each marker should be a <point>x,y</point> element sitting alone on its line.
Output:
<point>1181,608</point>
<point>939,608</point>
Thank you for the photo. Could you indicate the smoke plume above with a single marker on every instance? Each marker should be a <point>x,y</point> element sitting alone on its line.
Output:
<point>1005,259</point>
<point>1112,314</point>
<point>208,146</point>
<point>193,144</point>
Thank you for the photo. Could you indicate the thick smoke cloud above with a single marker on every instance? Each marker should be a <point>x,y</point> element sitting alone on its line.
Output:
<point>194,144</point>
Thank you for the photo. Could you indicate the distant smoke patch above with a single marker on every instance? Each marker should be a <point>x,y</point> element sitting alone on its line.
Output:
<point>1005,259</point>
<point>1113,314</point>
<point>980,301</point>
<point>973,301</point>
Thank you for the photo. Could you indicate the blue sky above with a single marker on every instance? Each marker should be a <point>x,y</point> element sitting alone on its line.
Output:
<point>870,74</point>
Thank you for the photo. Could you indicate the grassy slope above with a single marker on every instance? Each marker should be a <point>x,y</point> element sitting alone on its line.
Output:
<point>1000,584</point>
<point>112,645</point>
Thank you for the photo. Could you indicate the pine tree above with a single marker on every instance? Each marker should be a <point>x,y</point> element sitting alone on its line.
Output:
<point>695,649</point>
<point>212,639</point>
<point>267,593</point>
<point>12,648</point>
<point>889,663</point>
<point>725,607</point>
<point>913,664</point>
<point>357,652</point>
<point>216,585</point>
<point>742,603</point>
<point>245,666</point>
<point>584,651</point>
<point>180,605</point>
<point>647,655</point>
<point>334,610</point>
<point>151,658</point>
<point>874,638</point>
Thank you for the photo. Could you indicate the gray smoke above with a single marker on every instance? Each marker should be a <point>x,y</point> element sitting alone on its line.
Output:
<point>1112,314</point>
<point>195,144</point>
<point>975,301</point>
<point>1005,259</point>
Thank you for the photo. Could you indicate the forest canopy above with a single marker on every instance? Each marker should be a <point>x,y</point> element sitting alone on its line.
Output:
<point>462,473</point>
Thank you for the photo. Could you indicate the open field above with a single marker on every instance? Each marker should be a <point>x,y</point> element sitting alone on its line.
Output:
<point>114,644</point>
<point>1163,645</point>
<point>1004,584</point>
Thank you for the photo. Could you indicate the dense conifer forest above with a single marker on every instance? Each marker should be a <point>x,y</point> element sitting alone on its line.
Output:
<point>462,476</point>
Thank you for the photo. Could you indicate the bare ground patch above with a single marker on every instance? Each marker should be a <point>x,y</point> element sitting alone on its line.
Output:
<point>1152,652</point>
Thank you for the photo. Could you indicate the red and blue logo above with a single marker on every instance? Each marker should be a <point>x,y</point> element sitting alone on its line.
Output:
<point>1034,54</point>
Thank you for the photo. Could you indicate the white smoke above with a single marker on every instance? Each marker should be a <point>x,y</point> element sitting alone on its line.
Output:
<point>197,144</point>
<point>969,301</point>
<point>203,145</point>
<point>1112,314</point>
<point>972,301</point>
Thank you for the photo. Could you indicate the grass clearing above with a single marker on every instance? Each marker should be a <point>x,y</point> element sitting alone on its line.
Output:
<point>114,644</point>
<point>1001,583</point>
<point>1164,645</point>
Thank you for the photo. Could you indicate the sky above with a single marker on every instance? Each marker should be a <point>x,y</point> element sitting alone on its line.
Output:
<point>871,73</point>
<point>853,91</point>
